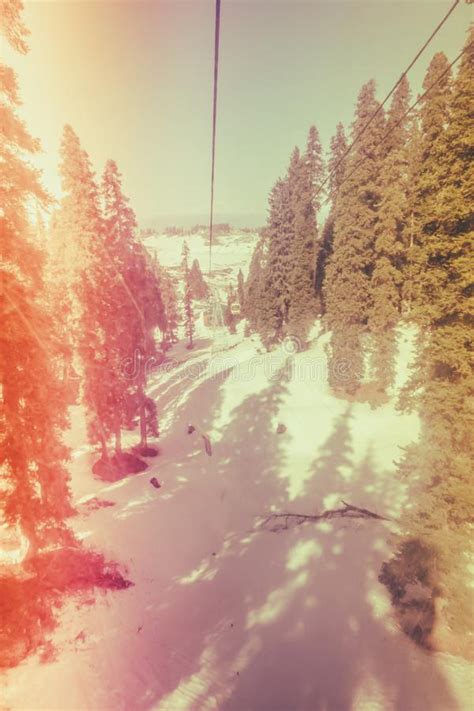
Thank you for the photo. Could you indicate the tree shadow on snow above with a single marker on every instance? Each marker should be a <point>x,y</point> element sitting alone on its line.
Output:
<point>289,620</point>
<point>327,650</point>
<point>230,492</point>
<point>264,621</point>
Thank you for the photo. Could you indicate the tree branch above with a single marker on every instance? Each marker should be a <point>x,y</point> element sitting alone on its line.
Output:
<point>286,520</point>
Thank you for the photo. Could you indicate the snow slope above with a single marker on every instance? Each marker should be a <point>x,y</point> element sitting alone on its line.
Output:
<point>229,253</point>
<point>224,615</point>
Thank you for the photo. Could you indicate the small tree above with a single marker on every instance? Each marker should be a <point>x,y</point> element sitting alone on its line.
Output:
<point>145,284</point>
<point>170,305</point>
<point>253,285</point>
<point>241,291</point>
<point>229,316</point>
<point>187,298</point>
<point>198,286</point>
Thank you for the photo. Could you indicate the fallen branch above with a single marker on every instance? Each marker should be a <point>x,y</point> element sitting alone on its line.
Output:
<point>283,521</point>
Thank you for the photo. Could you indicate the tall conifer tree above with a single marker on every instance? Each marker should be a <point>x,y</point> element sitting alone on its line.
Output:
<point>347,290</point>
<point>324,247</point>
<point>124,328</point>
<point>90,280</point>
<point>134,302</point>
<point>389,245</point>
<point>304,178</point>
<point>274,296</point>
<point>433,119</point>
<point>35,497</point>
<point>438,467</point>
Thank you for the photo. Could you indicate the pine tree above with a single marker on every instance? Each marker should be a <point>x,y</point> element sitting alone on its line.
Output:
<point>241,291</point>
<point>90,280</point>
<point>272,294</point>
<point>124,327</point>
<point>438,467</point>
<point>35,497</point>
<point>170,305</point>
<point>135,306</point>
<point>305,175</point>
<point>314,169</point>
<point>433,118</point>
<point>144,280</point>
<point>73,234</point>
<point>336,163</point>
<point>410,263</point>
<point>253,284</point>
<point>324,248</point>
<point>229,316</point>
<point>198,286</point>
<point>280,295</point>
<point>346,289</point>
<point>390,240</point>
<point>187,298</point>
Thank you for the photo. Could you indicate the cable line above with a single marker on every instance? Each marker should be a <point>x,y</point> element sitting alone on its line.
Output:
<point>409,110</point>
<point>214,122</point>
<point>380,107</point>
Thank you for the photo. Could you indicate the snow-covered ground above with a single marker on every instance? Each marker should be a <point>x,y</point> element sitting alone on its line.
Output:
<point>230,253</point>
<point>224,615</point>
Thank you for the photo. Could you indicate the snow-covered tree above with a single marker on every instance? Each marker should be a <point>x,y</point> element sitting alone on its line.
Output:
<point>187,298</point>
<point>199,287</point>
<point>253,284</point>
<point>241,290</point>
<point>91,282</point>
<point>169,298</point>
<point>304,178</point>
<point>35,493</point>
<point>324,246</point>
<point>135,304</point>
<point>347,289</point>
<point>435,527</point>
<point>389,246</point>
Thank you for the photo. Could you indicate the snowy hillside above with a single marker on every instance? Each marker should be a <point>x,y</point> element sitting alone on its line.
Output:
<point>235,360</point>
<point>224,614</point>
<point>229,253</point>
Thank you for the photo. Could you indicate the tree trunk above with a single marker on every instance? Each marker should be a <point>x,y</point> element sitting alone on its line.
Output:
<point>103,446</point>
<point>118,438</point>
<point>410,268</point>
<point>143,428</point>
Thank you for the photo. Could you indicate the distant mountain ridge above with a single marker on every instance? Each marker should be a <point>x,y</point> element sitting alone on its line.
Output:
<point>160,222</point>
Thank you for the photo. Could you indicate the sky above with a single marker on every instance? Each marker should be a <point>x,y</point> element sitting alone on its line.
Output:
<point>134,79</point>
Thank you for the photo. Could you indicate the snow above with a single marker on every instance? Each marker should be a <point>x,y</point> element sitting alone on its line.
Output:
<point>224,615</point>
<point>230,253</point>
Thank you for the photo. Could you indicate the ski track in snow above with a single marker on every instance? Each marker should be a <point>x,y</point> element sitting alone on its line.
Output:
<point>222,615</point>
